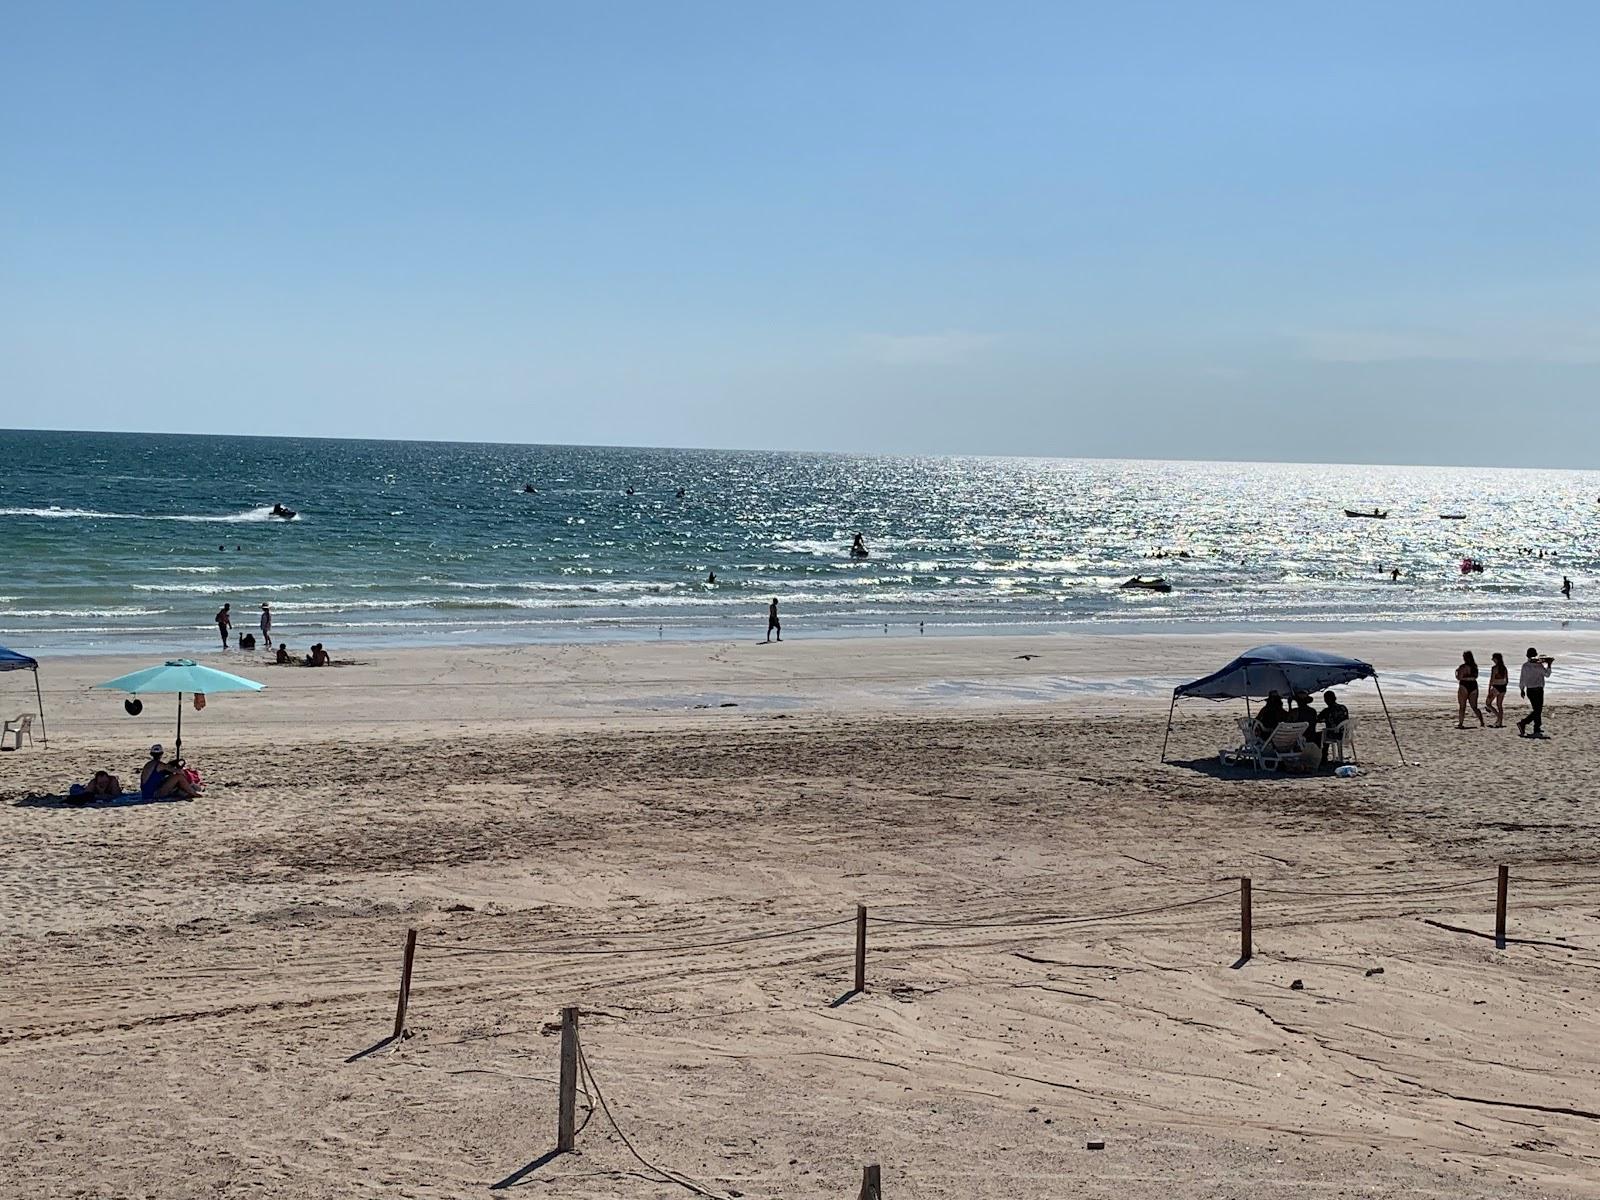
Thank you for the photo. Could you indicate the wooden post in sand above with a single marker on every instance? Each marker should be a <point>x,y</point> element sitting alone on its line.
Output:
<point>1244,919</point>
<point>871,1183</point>
<point>405,985</point>
<point>1500,908</point>
<point>861,947</point>
<point>567,1104</point>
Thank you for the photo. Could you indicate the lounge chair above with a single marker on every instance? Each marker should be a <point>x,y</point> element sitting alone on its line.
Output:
<point>16,729</point>
<point>1286,746</point>
<point>1248,750</point>
<point>1341,740</point>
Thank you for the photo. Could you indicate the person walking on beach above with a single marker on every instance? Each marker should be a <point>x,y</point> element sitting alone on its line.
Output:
<point>1499,680</point>
<point>1467,689</point>
<point>1566,587</point>
<point>266,625</point>
<point>1531,684</point>
<point>774,626</point>
<point>224,620</point>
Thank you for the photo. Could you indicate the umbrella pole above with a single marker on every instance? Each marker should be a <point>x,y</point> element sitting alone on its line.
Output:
<point>1390,719</point>
<point>178,748</point>
<point>1171,709</point>
<point>39,696</point>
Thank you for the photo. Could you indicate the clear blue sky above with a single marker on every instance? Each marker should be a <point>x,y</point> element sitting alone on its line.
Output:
<point>1308,231</point>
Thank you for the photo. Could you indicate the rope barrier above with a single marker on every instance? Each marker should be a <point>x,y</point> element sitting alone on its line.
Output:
<point>1052,920</point>
<point>1420,890</point>
<point>683,1181</point>
<point>620,951</point>
<point>1559,882</point>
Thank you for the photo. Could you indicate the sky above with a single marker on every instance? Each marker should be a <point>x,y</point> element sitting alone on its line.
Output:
<point>1354,232</point>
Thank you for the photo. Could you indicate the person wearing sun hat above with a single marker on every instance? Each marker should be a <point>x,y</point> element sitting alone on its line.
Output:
<point>153,774</point>
<point>266,625</point>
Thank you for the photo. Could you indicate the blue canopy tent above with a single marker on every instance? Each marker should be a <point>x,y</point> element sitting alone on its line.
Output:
<point>1283,669</point>
<point>10,660</point>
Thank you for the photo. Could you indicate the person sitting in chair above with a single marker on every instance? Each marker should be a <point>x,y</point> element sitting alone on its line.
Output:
<point>1334,714</point>
<point>1271,715</point>
<point>1307,714</point>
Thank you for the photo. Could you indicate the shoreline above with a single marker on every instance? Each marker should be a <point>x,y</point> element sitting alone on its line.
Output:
<point>464,689</point>
<point>663,632</point>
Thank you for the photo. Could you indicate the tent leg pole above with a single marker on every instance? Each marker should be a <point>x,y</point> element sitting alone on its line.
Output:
<point>1170,710</point>
<point>1390,719</point>
<point>44,733</point>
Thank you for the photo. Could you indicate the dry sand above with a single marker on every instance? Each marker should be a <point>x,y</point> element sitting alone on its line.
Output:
<point>188,987</point>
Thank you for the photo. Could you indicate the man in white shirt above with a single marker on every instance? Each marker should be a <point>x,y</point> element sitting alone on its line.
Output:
<point>1531,684</point>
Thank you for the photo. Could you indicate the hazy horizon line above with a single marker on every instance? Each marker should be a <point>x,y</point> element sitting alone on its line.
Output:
<point>833,452</point>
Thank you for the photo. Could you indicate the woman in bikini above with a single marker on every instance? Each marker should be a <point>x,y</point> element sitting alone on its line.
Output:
<point>1467,690</point>
<point>1499,680</point>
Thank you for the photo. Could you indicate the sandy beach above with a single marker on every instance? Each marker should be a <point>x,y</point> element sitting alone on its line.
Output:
<point>1053,934</point>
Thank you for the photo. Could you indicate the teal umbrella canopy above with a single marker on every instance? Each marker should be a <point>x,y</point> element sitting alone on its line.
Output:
<point>181,675</point>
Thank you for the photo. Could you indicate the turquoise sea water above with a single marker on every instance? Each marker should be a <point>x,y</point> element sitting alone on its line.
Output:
<point>128,541</point>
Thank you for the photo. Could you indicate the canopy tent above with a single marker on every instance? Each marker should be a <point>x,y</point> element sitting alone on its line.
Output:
<point>1280,668</point>
<point>181,675</point>
<point>10,660</point>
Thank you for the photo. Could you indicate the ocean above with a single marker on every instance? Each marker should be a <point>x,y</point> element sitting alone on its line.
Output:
<point>113,542</point>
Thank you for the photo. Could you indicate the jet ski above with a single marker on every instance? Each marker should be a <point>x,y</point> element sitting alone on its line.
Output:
<point>1157,584</point>
<point>529,489</point>
<point>287,514</point>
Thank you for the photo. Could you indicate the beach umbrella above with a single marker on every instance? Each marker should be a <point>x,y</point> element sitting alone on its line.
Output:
<point>181,675</point>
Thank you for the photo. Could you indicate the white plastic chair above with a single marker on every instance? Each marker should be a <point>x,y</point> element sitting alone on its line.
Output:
<point>1287,743</point>
<point>1248,750</point>
<point>1341,740</point>
<point>16,729</point>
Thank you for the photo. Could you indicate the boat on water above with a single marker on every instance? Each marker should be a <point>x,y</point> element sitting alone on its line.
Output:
<point>1377,514</point>
<point>1452,516</point>
<point>1158,584</point>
